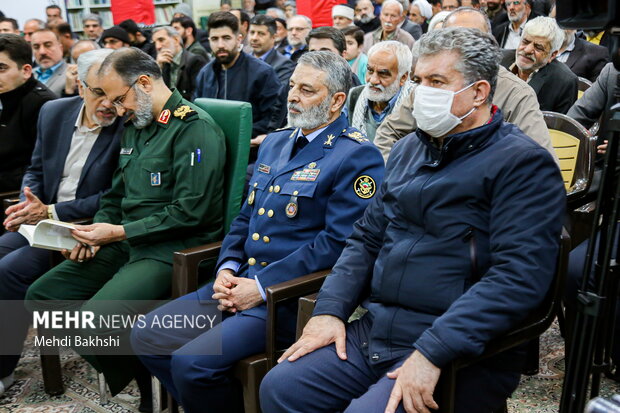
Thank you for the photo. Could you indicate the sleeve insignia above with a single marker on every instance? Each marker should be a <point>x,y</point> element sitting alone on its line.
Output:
<point>182,111</point>
<point>365,187</point>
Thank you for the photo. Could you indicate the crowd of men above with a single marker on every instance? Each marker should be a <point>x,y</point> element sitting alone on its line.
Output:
<point>392,147</point>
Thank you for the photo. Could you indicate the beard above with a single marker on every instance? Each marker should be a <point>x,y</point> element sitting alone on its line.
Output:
<point>226,59</point>
<point>143,115</point>
<point>310,118</point>
<point>517,16</point>
<point>103,122</point>
<point>365,18</point>
<point>385,93</point>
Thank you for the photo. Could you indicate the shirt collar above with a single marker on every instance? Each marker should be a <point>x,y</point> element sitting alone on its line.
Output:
<point>311,136</point>
<point>177,58</point>
<point>264,56</point>
<point>52,69</point>
<point>79,124</point>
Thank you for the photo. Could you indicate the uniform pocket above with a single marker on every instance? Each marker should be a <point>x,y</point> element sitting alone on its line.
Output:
<point>155,177</point>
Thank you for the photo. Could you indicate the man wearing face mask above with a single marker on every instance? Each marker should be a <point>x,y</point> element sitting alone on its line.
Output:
<point>554,83</point>
<point>71,167</point>
<point>446,261</point>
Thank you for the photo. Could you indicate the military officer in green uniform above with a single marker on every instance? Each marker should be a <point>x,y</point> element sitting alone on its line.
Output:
<point>166,196</point>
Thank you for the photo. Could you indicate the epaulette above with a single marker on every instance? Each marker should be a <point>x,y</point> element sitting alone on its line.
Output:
<point>355,135</point>
<point>184,112</point>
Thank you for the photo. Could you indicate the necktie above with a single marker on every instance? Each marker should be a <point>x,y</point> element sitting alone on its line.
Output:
<point>300,143</point>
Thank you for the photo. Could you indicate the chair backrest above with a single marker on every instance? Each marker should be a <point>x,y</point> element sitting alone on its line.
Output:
<point>575,148</point>
<point>235,119</point>
<point>583,84</point>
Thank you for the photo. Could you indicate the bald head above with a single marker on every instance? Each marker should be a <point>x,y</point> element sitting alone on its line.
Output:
<point>469,18</point>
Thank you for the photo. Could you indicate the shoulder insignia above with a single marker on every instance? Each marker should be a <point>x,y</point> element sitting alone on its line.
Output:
<point>330,140</point>
<point>357,136</point>
<point>365,187</point>
<point>183,111</point>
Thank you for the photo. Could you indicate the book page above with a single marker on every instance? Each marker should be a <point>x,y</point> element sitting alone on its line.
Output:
<point>54,235</point>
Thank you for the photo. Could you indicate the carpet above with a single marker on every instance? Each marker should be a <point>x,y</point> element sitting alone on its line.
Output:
<point>536,394</point>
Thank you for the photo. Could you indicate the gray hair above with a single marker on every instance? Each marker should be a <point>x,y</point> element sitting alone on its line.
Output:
<point>400,50</point>
<point>463,10</point>
<point>337,70</point>
<point>388,2</point>
<point>404,3</point>
<point>170,30</point>
<point>87,59</point>
<point>130,63</point>
<point>277,11</point>
<point>93,16</point>
<point>479,53</point>
<point>304,18</point>
<point>40,22</point>
<point>545,27</point>
<point>436,19</point>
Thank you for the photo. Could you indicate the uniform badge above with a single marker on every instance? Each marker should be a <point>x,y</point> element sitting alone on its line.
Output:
<point>291,209</point>
<point>264,168</point>
<point>155,178</point>
<point>183,111</point>
<point>312,165</point>
<point>330,140</point>
<point>126,151</point>
<point>307,175</point>
<point>251,198</point>
<point>365,187</point>
<point>358,136</point>
<point>164,117</point>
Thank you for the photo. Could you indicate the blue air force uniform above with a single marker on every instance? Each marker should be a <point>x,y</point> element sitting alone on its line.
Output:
<point>299,211</point>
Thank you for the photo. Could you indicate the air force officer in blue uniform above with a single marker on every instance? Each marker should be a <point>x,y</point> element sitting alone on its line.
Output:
<point>310,184</point>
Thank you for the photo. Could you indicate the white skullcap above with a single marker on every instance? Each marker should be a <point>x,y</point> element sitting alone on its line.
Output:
<point>426,10</point>
<point>342,11</point>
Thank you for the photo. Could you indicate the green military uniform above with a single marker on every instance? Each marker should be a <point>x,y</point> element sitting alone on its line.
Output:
<point>167,192</point>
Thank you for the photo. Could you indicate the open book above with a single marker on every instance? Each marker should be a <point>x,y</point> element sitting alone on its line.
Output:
<point>50,235</point>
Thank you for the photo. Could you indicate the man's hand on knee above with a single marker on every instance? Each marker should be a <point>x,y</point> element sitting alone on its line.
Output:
<point>320,331</point>
<point>415,383</point>
<point>222,289</point>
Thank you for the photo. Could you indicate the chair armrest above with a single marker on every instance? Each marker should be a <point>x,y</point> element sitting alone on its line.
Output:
<point>288,290</point>
<point>185,267</point>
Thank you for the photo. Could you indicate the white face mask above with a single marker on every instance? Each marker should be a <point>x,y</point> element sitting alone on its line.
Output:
<point>432,110</point>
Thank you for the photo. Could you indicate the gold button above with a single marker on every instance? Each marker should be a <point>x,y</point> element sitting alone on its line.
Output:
<point>271,188</point>
<point>270,213</point>
<point>266,239</point>
<point>255,236</point>
<point>261,211</point>
<point>295,192</point>
<point>276,189</point>
<point>255,184</point>
<point>252,261</point>
<point>263,264</point>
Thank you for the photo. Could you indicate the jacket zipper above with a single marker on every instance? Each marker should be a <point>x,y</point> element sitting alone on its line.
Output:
<point>470,237</point>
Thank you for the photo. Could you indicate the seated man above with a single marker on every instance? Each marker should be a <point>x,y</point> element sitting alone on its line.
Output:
<point>330,39</point>
<point>138,37</point>
<point>47,51</point>
<point>440,258</point>
<point>391,16</point>
<point>387,84</point>
<point>262,41</point>
<point>309,185</point>
<point>555,85</point>
<point>236,75</point>
<point>585,59</point>
<point>21,97</point>
<point>64,184</point>
<point>187,29</point>
<point>114,38</point>
<point>179,67</point>
<point>160,202</point>
<point>513,96</point>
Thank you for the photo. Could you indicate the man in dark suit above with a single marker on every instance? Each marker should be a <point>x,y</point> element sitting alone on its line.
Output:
<point>262,41</point>
<point>75,155</point>
<point>509,32</point>
<point>585,59</point>
<point>179,67</point>
<point>555,85</point>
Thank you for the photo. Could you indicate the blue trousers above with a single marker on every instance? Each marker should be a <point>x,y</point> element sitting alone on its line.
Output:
<point>20,266</point>
<point>321,382</point>
<point>201,383</point>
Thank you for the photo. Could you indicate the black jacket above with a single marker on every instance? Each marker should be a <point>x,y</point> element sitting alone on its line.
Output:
<point>284,67</point>
<point>18,130</point>
<point>500,31</point>
<point>370,26</point>
<point>412,28</point>
<point>186,80</point>
<point>587,59</point>
<point>555,86</point>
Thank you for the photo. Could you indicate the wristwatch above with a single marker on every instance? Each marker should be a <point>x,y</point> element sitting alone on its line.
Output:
<point>50,212</point>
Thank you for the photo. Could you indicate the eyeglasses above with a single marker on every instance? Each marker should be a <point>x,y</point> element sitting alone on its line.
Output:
<point>513,3</point>
<point>118,102</point>
<point>97,92</point>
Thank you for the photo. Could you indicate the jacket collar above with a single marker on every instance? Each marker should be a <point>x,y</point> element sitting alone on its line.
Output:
<point>455,146</point>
